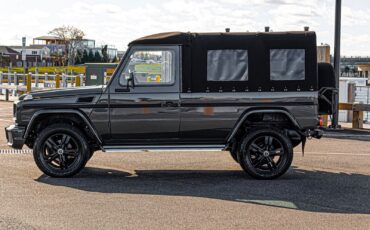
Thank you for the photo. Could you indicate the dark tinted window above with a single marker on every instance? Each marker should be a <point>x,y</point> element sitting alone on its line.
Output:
<point>227,65</point>
<point>287,64</point>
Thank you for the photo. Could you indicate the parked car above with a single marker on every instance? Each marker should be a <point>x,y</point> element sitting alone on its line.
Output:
<point>256,95</point>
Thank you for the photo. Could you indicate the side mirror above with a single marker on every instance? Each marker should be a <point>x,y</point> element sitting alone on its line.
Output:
<point>131,80</point>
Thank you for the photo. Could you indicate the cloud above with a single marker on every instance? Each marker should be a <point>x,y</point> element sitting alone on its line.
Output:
<point>353,17</point>
<point>355,44</point>
<point>118,21</point>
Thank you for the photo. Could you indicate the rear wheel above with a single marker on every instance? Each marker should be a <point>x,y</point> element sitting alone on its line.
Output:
<point>265,154</point>
<point>61,150</point>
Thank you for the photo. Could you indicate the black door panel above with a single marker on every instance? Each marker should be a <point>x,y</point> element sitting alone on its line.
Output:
<point>146,112</point>
<point>135,116</point>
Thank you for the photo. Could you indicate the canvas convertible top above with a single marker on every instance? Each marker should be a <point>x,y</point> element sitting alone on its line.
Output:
<point>268,56</point>
<point>185,38</point>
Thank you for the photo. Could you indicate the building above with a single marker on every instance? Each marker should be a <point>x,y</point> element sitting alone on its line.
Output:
<point>355,67</point>
<point>8,56</point>
<point>36,55</point>
<point>111,52</point>
<point>58,48</point>
<point>120,54</point>
<point>87,44</point>
<point>349,66</point>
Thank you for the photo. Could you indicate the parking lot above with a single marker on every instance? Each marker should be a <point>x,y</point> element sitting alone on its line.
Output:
<point>328,188</point>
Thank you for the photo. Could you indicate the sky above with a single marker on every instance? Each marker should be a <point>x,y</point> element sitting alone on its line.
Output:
<point>117,22</point>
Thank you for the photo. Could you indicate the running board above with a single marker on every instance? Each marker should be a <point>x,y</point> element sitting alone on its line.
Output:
<point>163,148</point>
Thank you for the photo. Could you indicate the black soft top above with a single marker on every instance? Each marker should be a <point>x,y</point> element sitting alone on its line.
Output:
<point>195,48</point>
<point>185,38</point>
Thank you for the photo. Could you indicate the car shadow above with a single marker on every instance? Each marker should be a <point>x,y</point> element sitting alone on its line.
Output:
<point>314,191</point>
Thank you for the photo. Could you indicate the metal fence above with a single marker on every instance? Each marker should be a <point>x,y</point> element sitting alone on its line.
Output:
<point>16,83</point>
<point>362,95</point>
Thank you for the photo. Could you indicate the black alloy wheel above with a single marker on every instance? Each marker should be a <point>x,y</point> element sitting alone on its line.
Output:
<point>266,154</point>
<point>61,150</point>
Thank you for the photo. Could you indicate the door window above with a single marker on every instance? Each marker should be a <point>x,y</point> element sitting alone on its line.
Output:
<point>150,68</point>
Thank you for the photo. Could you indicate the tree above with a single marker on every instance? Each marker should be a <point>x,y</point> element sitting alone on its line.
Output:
<point>85,57</point>
<point>71,37</point>
<point>346,70</point>
<point>79,57</point>
<point>90,57</point>
<point>4,61</point>
<point>97,57</point>
<point>104,52</point>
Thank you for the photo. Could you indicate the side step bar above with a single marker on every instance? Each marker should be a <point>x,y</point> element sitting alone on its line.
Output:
<point>163,148</point>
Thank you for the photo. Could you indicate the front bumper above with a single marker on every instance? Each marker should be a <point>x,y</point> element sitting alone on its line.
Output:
<point>15,136</point>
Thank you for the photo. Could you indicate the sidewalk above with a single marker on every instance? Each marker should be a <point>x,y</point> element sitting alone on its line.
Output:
<point>11,98</point>
<point>346,132</point>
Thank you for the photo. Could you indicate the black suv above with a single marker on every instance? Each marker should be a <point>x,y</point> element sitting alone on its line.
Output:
<point>256,95</point>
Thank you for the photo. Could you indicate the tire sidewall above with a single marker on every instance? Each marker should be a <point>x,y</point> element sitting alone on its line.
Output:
<point>67,129</point>
<point>246,163</point>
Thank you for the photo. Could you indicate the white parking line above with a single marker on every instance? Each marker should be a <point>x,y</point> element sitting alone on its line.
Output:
<point>15,151</point>
<point>345,154</point>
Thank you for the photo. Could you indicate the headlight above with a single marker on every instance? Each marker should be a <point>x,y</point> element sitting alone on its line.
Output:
<point>28,97</point>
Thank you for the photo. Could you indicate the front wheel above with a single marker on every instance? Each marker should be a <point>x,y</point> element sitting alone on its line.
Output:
<point>61,150</point>
<point>265,154</point>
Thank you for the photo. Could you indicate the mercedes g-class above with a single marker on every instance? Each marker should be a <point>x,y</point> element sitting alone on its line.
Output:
<point>257,95</point>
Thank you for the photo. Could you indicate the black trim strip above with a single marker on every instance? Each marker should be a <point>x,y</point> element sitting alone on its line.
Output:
<point>156,105</point>
<point>218,104</point>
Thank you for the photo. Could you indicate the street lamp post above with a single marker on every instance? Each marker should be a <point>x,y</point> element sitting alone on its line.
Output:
<point>24,59</point>
<point>338,6</point>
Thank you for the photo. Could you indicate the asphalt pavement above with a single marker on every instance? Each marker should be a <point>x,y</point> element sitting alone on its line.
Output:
<point>327,188</point>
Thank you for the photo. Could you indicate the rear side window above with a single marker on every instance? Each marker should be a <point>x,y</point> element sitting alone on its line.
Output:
<point>287,64</point>
<point>227,65</point>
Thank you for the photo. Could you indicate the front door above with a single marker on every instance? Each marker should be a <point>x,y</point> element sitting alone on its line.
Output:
<point>144,97</point>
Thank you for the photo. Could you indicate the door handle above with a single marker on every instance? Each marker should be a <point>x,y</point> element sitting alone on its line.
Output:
<point>122,90</point>
<point>168,104</point>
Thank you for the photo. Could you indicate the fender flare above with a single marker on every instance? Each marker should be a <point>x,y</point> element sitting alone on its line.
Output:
<point>59,111</point>
<point>246,114</point>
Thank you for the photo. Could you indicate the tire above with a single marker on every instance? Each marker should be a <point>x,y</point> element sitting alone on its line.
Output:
<point>265,154</point>
<point>91,154</point>
<point>61,150</point>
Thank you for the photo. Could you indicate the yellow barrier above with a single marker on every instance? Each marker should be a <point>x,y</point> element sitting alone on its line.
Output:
<point>57,81</point>
<point>29,82</point>
<point>49,69</point>
<point>78,81</point>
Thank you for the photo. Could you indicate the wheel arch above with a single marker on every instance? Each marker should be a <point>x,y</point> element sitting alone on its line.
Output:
<point>36,118</point>
<point>248,113</point>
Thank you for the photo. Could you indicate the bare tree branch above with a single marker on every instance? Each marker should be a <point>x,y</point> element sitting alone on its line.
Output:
<point>72,38</point>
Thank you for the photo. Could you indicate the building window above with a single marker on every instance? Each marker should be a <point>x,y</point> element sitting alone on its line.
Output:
<point>227,65</point>
<point>34,52</point>
<point>287,64</point>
